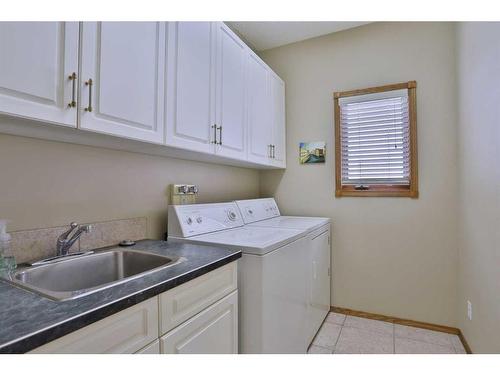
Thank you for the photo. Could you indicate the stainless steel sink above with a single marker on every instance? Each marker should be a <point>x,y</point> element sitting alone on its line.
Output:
<point>75,277</point>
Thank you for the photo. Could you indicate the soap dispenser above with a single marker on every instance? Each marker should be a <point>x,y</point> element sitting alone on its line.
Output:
<point>7,260</point>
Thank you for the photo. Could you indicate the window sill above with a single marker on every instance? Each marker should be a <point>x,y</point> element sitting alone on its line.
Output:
<point>377,191</point>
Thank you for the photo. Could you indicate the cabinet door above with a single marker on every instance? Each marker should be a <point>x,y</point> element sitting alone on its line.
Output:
<point>153,348</point>
<point>278,113</point>
<point>124,332</point>
<point>230,94</point>
<point>37,59</point>
<point>259,111</point>
<point>319,304</point>
<point>183,302</point>
<point>126,63</point>
<point>213,331</point>
<point>190,86</point>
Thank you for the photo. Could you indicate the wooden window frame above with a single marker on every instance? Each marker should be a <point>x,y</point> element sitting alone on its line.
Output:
<point>384,190</point>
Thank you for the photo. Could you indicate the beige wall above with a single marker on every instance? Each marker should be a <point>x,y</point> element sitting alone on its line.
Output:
<point>45,184</point>
<point>479,181</point>
<point>394,256</point>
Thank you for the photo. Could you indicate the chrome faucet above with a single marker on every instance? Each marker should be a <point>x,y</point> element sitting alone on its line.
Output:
<point>64,242</point>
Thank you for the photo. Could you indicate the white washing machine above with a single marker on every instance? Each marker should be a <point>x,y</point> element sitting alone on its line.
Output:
<point>264,213</point>
<point>272,274</point>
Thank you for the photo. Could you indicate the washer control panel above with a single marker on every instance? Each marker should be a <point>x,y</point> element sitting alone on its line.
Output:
<point>196,219</point>
<point>254,210</point>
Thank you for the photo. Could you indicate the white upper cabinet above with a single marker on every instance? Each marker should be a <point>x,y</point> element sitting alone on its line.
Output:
<point>266,115</point>
<point>122,79</point>
<point>230,94</point>
<point>37,60</point>
<point>194,87</point>
<point>260,129</point>
<point>190,122</point>
<point>278,152</point>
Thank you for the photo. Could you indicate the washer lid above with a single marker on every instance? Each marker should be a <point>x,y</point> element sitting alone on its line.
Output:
<point>249,239</point>
<point>293,222</point>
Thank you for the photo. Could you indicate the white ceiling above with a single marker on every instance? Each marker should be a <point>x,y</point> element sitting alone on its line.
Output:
<point>266,35</point>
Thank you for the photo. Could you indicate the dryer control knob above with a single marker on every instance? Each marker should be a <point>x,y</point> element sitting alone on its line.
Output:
<point>199,219</point>
<point>231,215</point>
<point>189,221</point>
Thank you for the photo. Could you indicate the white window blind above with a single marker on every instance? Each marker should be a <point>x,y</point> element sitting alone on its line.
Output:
<point>375,138</point>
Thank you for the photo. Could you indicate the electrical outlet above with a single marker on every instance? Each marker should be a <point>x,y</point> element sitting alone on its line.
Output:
<point>469,310</point>
<point>183,194</point>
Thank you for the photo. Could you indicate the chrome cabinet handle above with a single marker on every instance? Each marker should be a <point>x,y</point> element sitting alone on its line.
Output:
<point>214,126</point>
<point>272,154</point>
<point>89,83</point>
<point>220,135</point>
<point>72,78</point>
<point>274,151</point>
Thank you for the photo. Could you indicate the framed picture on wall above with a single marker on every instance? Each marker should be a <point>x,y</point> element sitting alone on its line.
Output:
<point>312,152</point>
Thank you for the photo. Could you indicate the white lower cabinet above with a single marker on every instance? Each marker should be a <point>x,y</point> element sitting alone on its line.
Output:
<point>179,304</point>
<point>153,348</point>
<point>124,332</point>
<point>200,316</point>
<point>213,331</point>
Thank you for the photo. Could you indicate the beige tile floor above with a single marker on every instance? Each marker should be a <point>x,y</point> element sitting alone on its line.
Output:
<point>341,334</point>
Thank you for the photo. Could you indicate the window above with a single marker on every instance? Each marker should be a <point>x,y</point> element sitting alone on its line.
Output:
<point>376,141</point>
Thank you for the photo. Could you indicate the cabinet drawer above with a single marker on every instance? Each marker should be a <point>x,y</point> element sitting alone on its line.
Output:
<point>213,331</point>
<point>124,332</point>
<point>181,303</point>
<point>153,348</point>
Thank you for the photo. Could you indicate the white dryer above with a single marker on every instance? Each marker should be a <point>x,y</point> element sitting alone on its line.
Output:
<point>272,274</point>
<point>264,213</point>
